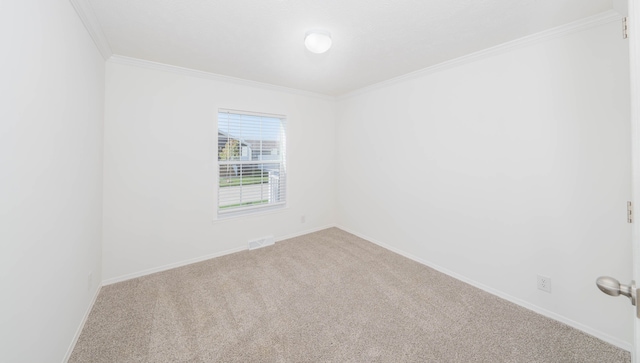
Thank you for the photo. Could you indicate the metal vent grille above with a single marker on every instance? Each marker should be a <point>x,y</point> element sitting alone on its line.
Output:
<point>262,242</point>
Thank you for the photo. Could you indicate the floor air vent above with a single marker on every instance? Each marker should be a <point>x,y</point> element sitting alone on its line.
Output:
<point>261,242</point>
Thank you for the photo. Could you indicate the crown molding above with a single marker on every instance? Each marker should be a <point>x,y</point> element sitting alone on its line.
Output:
<point>557,32</point>
<point>119,59</point>
<point>91,23</point>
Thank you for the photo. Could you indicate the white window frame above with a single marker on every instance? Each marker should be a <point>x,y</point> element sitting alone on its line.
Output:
<point>281,188</point>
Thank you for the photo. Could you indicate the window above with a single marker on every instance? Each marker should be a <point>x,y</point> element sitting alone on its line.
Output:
<point>251,162</point>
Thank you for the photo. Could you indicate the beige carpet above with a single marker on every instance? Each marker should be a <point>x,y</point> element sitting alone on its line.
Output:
<point>324,297</point>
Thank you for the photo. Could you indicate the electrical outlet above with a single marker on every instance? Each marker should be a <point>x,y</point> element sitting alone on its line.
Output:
<point>303,219</point>
<point>544,283</point>
<point>90,281</point>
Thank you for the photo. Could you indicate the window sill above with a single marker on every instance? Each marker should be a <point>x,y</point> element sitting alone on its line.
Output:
<point>256,213</point>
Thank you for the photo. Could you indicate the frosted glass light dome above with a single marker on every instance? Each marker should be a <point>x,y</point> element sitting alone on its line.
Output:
<point>317,41</point>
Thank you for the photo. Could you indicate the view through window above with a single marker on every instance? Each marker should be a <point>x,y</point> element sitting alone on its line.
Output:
<point>251,162</point>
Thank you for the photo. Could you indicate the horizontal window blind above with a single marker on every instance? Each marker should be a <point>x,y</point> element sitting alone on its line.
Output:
<point>251,161</point>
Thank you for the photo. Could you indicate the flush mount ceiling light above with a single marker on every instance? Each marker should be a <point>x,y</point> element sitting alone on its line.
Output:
<point>317,41</point>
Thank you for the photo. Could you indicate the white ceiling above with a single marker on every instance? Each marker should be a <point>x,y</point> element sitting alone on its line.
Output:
<point>373,40</point>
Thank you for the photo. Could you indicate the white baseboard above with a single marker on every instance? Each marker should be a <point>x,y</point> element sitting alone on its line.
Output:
<point>596,333</point>
<point>170,266</point>
<point>200,258</point>
<point>298,234</point>
<point>593,332</point>
<point>81,326</point>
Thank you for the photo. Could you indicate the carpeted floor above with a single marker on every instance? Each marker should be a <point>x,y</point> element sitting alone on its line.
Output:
<point>324,297</point>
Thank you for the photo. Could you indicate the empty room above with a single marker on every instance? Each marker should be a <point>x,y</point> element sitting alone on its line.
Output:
<point>319,181</point>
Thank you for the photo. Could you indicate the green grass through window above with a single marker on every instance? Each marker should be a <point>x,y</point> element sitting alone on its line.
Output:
<point>247,180</point>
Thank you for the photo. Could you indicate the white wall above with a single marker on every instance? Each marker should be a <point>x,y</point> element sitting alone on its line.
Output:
<point>495,171</point>
<point>160,163</point>
<point>51,118</point>
<point>500,169</point>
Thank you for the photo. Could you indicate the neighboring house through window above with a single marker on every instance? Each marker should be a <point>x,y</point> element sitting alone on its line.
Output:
<point>251,162</point>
